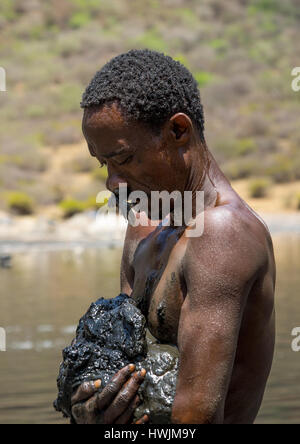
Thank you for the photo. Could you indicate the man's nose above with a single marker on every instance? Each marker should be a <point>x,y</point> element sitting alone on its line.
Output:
<point>114,182</point>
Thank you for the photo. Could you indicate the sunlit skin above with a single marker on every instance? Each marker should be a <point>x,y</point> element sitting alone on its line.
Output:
<point>212,296</point>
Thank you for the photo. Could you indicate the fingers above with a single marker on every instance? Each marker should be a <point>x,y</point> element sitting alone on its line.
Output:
<point>126,416</point>
<point>116,402</point>
<point>79,414</point>
<point>121,402</point>
<point>114,386</point>
<point>87,413</point>
<point>85,391</point>
<point>142,420</point>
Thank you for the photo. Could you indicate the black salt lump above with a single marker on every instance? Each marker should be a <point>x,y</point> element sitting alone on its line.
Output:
<point>111,335</point>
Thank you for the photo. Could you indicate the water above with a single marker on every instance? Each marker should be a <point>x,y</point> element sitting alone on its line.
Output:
<point>42,298</point>
<point>47,290</point>
<point>281,403</point>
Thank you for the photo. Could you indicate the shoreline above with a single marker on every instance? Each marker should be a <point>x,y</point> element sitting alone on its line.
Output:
<point>84,231</point>
<point>48,231</point>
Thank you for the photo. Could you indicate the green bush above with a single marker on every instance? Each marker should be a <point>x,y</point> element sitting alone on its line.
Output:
<point>4,158</point>
<point>282,169</point>
<point>242,168</point>
<point>35,111</point>
<point>152,39</point>
<point>258,188</point>
<point>71,207</point>
<point>79,19</point>
<point>82,164</point>
<point>31,161</point>
<point>66,46</point>
<point>20,203</point>
<point>69,97</point>
<point>89,5</point>
<point>7,10</point>
<point>229,148</point>
<point>100,174</point>
<point>182,59</point>
<point>57,193</point>
<point>298,201</point>
<point>203,78</point>
<point>220,46</point>
<point>188,16</point>
<point>92,204</point>
<point>272,7</point>
<point>244,147</point>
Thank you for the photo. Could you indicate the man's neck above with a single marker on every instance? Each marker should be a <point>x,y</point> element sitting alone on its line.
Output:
<point>201,177</point>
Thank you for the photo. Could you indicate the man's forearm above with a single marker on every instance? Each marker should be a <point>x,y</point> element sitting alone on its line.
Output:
<point>189,410</point>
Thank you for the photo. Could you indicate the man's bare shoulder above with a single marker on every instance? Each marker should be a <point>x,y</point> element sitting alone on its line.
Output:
<point>238,220</point>
<point>234,240</point>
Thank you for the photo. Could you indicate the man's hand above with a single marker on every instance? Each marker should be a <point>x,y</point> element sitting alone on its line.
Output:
<point>115,404</point>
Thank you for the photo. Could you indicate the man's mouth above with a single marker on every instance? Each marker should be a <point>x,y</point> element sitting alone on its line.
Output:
<point>124,205</point>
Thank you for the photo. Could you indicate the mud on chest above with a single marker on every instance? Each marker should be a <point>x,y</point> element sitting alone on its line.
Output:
<point>161,304</point>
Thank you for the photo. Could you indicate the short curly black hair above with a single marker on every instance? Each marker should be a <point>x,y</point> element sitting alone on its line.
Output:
<point>148,86</point>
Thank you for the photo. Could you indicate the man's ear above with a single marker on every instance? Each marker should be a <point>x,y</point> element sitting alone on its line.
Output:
<point>180,126</point>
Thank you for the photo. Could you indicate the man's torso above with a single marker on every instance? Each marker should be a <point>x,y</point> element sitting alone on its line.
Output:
<point>152,272</point>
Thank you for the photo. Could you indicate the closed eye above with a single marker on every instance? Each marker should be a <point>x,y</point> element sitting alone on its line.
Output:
<point>127,160</point>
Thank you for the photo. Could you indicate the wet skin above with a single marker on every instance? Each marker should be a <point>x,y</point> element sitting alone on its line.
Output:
<point>213,295</point>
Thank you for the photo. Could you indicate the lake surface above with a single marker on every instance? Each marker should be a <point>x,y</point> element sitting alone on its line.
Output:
<point>47,290</point>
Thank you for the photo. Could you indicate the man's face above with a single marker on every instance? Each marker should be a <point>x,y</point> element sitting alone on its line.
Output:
<point>133,153</point>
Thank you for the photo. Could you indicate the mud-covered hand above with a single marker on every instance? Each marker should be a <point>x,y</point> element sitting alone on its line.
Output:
<point>115,404</point>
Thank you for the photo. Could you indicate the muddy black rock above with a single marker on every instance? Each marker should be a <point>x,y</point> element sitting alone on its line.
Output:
<point>109,336</point>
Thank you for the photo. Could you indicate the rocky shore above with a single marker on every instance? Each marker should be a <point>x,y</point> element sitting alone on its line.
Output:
<point>79,227</point>
<point>82,229</point>
<point>88,229</point>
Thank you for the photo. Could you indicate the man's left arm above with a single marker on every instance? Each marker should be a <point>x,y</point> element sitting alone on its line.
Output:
<point>217,289</point>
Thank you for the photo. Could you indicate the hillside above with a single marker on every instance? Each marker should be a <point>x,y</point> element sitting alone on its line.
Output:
<point>241,53</point>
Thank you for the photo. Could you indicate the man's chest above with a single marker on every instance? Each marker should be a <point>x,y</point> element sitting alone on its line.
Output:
<point>158,284</point>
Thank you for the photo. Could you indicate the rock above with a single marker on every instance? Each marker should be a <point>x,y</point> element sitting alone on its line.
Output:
<point>109,336</point>
<point>157,392</point>
<point>5,261</point>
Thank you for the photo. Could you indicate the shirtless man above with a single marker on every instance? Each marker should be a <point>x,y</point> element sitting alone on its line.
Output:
<point>211,295</point>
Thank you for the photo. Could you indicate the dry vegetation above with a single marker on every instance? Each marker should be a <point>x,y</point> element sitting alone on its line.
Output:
<point>240,51</point>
